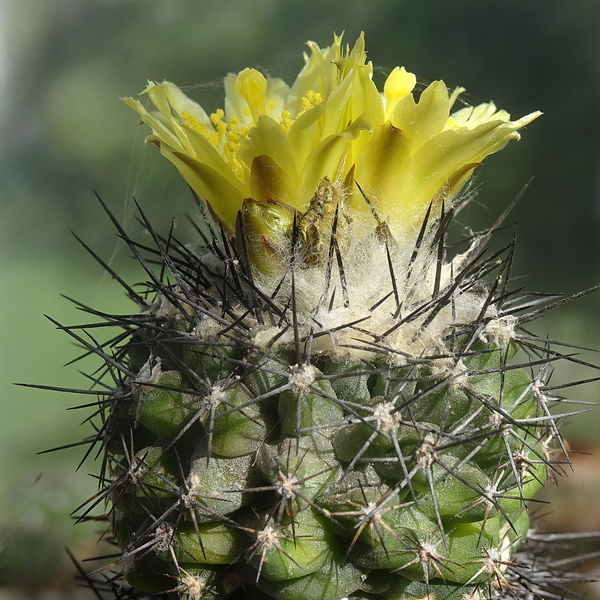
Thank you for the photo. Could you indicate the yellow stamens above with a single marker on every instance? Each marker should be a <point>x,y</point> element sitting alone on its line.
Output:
<point>194,123</point>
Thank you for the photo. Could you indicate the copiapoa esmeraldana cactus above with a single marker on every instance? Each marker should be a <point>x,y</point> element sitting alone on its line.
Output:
<point>320,399</point>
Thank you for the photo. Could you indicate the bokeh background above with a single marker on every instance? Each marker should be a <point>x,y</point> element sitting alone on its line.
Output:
<point>64,134</point>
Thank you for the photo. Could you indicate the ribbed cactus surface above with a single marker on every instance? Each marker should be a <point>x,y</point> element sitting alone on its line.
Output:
<point>314,475</point>
<point>319,399</point>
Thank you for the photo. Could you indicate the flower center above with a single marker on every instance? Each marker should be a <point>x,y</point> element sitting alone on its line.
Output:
<point>229,134</point>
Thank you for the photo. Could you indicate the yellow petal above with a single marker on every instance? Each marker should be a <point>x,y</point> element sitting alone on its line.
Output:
<point>160,128</point>
<point>223,198</point>
<point>381,170</point>
<point>329,159</point>
<point>320,74</point>
<point>268,181</point>
<point>427,117</point>
<point>399,84</point>
<point>167,97</point>
<point>444,153</point>
<point>276,97</point>
<point>171,136</point>
<point>268,138</point>
<point>305,133</point>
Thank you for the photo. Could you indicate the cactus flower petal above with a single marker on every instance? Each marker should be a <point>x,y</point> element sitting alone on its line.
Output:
<point>405,153</point>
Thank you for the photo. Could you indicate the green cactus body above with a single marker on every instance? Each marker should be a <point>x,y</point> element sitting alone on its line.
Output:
<point>320,402</point>
<point>303,478</point>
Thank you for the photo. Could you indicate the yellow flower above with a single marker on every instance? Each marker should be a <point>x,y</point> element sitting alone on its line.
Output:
<point>274,144</point>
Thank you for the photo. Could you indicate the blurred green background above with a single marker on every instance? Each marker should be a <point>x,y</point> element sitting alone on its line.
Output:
<point>65,133</point>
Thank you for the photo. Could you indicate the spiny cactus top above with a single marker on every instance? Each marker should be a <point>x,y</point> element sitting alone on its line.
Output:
<point>280,161</point>
<point>321,402</point>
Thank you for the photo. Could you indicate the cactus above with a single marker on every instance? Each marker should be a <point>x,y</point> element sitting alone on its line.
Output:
<point>319,399</point>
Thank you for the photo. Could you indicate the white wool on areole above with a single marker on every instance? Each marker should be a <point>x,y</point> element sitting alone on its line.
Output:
<point>353,314</point>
